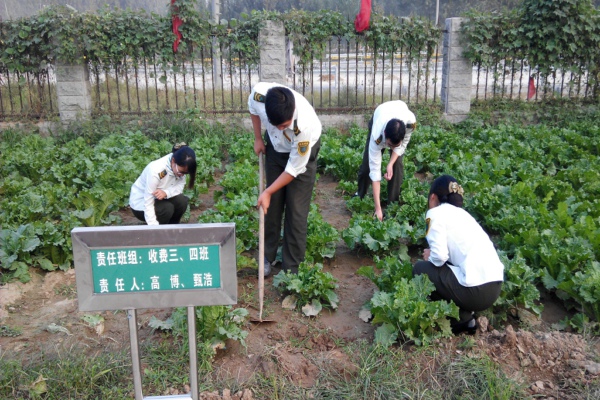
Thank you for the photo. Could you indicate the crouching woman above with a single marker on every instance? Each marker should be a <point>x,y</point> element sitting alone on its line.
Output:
<point>157,195</point>
<point>461,260</point>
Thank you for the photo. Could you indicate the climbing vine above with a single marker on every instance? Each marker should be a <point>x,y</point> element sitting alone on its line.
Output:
<point>110,36</point>
<point>548,34</point>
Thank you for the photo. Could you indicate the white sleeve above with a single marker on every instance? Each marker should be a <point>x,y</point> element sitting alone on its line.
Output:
<point>438,242</point>
<point>251,104</point>
<point>402,148</point>
<point>374,160</point>
<point>299,154</point>
<point>176,189</point>
<point>151,184</point>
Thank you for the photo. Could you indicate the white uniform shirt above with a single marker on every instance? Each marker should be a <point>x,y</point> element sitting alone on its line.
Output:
<point>157,175</point>
<point>455,237</point>
<point>383,114</point>
<point>299,138</point>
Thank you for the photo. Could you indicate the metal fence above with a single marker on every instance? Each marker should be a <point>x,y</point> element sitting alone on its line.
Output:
<point>348,77</point>
<point>215,82</point>
<point>514,79</point>
<point>351,76</point>
<point>28,95</point>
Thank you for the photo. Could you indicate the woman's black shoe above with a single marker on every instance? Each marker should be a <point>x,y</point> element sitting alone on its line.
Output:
<point>470,327</point>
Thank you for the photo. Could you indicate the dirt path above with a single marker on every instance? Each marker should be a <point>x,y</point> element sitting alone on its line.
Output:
<point>550,362</point>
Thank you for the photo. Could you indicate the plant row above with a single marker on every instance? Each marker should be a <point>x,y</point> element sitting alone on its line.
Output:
<point>534,189</point>
<point>51,186</point>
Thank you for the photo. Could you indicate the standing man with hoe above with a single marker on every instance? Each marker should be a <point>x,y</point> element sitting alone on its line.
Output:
<point>291,144</point>
<point>390,127</point>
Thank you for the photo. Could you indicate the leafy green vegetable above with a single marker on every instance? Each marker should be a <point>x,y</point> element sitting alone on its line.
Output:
<point>406,312</point>
<point>310,285</point>
<point>321,237</point>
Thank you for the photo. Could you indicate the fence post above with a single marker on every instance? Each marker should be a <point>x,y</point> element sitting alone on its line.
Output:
<point>73,91</point>
<point>457,75</point>
<point>271,40</point>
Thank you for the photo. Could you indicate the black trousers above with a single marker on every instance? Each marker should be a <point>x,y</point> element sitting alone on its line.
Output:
<point>447,287</point>
<point>394,185</point>
<point>290,204</point>
<point>168,211</point>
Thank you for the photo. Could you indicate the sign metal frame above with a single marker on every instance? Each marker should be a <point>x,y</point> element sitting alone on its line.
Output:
<point>122,237</point>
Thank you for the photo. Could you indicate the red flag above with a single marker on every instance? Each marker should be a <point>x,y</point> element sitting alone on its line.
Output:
<point>361,22</point>
<point>531,89</point>
<point>177,22</point>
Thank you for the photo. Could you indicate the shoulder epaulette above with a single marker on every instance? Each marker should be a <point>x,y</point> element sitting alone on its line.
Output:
<point>411,126</point>
<point>379,139</point>
<point>259,97</point>
<point>296,130</point>
<point>162,174</point>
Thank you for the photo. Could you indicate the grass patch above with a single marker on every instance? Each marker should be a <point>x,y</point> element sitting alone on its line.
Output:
<point>70,375</point>
<point>477,378</point>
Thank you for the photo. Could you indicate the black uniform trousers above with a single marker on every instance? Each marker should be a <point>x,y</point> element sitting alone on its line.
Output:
<point>292,203</point>
<point>394,185</point>
<point>447,287</point>
<point>168,211</point>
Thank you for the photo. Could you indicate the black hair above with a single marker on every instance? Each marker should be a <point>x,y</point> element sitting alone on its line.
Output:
<point>280,105</point>
<point>184,156</point>
<point>395,130</point>
<point>440,187</point>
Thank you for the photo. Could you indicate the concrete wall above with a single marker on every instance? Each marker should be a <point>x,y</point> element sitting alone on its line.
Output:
<point>74,92</point>
<point>342,122</point>
<point>457,74</point>
<point>271,41</point>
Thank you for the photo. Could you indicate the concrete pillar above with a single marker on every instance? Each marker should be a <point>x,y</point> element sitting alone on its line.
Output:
<point>74,92</point>
<point>457,75</point>
<point>271,40</point>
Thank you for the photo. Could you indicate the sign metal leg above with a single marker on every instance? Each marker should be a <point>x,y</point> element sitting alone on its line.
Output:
<point>135,354</point>
<point>193,352</point>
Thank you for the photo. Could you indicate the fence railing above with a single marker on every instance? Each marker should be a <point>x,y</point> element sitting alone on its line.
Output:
<point>514,79</point>
<point>351,76</point>
<point>145,86</point>
<point>28,95</point>
<point>348,77</point>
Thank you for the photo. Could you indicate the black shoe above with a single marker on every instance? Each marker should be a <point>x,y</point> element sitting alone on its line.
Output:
<point>267,270</point>
<point>470,327</point>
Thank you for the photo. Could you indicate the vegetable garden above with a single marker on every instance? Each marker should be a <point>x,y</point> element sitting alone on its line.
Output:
<point>534,189</point>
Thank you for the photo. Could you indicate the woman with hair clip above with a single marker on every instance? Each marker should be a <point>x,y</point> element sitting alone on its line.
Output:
<point>461,260</point>
<point>157,195</point>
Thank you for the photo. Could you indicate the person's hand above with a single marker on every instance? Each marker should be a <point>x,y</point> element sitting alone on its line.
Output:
<point>264,200</point>
<point>426,254</point>
<point>259,147</point>
<point>379,214</point>
<point>389,172</point>
<point>159,194</point>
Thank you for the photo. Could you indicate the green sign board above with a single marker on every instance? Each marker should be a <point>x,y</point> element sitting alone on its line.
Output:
<point>155,268</point>
<point>141,266</point>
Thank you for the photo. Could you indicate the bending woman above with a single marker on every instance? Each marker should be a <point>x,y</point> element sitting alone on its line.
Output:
<point>157,195</point>
<point>461,260</point>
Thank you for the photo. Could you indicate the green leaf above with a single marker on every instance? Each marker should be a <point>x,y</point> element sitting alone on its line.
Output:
<point>46,264</point>
<point>386,335</point>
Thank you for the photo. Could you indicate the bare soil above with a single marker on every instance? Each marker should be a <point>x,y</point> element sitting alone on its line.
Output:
<point>552,364</point>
